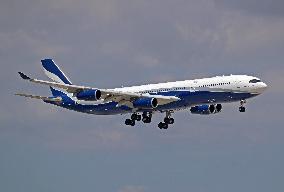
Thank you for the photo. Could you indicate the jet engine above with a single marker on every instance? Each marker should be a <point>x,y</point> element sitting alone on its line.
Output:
<point>206,109</point>
<point>89,95</point>
<point>145,103</point>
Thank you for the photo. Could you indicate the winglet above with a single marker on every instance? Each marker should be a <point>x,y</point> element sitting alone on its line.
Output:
<point>25,77</point>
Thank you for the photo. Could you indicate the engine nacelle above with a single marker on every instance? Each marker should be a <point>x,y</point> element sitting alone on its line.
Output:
<point>206,109</point>
<point>89,95</point>
<point>145,103</point>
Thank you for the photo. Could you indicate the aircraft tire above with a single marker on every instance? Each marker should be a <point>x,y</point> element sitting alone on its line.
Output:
<point>242,109</point>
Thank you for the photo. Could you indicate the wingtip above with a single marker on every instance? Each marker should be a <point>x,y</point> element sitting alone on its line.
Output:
<point>25,77</point>
<point>18,94</point>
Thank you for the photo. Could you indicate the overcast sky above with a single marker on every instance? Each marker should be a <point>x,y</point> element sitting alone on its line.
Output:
<point>113,43</point>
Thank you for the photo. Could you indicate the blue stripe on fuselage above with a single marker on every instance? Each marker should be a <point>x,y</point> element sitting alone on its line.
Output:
<point>188,98</point>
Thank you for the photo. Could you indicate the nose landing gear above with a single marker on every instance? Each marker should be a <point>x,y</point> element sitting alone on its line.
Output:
<point>242,108</point>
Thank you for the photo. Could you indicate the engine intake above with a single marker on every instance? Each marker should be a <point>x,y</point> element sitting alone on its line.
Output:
<point>145,103</point>
<point>89,95</point>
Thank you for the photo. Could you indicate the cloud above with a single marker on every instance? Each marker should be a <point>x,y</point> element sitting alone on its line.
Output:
<point>275,80</point>
<point>250,34</point>
<point>96,139</point>
<point>131,188</point>
<point>255,7</point>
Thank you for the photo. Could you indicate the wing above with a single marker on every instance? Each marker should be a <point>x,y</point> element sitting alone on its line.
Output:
<point>122,97</point>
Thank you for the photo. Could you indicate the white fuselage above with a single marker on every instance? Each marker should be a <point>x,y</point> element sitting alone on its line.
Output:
<point>233,83</point>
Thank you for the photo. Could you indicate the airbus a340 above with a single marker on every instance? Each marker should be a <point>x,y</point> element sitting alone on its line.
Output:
<point>201,96</point>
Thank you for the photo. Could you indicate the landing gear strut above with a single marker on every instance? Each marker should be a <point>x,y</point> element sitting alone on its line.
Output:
<point>242,108</point>
<point>167,121</point>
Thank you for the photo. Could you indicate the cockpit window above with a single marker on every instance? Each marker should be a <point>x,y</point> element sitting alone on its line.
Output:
<point>254,81</point>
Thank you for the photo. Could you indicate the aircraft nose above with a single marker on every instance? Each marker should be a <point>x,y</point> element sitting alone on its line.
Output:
<point>262,87</point>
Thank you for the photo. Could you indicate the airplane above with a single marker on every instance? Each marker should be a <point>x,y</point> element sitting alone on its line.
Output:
<point>201,96</point>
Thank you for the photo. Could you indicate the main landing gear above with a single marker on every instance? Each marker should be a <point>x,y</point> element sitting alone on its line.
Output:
<point>146,118</point>
<point>167,121</point>
<point>242,109</point>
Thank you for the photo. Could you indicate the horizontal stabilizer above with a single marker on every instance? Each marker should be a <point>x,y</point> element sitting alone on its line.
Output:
<point>55,99</point>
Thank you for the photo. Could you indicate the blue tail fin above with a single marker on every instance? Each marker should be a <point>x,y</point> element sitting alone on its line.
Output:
<point>54,72</point>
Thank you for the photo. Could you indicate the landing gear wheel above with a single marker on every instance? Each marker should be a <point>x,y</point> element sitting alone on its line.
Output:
<point>146,120</point>
<point>129,122</point>
<point>132,123</point>
<point>138,118</point>
<point>162,125</point>
<point>242,109</point>
<point>134,116</point>
<point>169,120</point>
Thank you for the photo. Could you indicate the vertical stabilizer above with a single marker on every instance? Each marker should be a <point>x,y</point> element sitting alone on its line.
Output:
<point>54,72</point>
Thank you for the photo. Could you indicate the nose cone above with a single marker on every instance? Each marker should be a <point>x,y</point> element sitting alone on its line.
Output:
<point>261,87</point>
